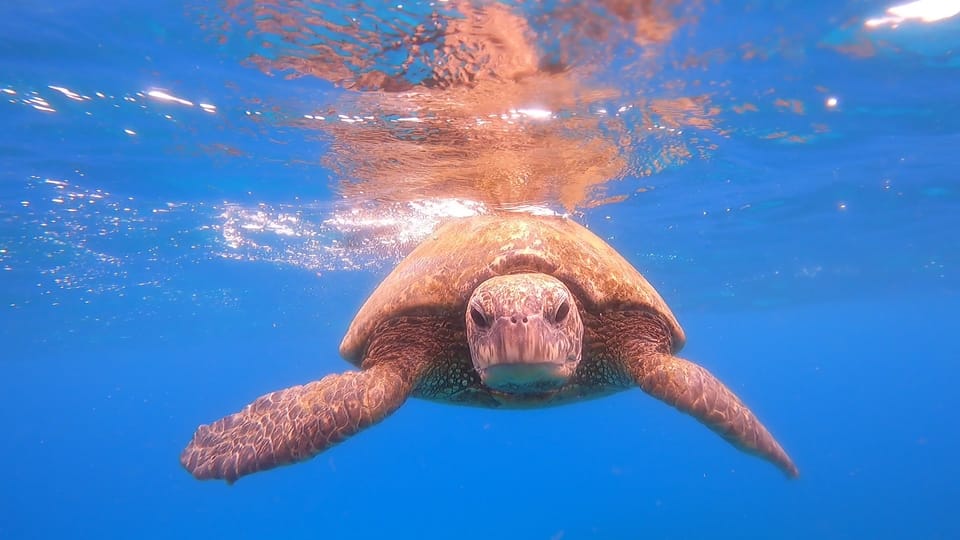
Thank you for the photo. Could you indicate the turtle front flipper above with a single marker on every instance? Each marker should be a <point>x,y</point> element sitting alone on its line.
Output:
<point>695,391</point>
<point>296,423</point>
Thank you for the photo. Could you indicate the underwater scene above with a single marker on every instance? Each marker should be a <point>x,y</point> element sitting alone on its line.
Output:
<point>465,269</point>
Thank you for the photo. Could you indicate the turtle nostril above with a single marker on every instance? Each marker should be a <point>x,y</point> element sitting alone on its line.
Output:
<point>524,319</point>
<point>513,319</point>
<point>478,318</point>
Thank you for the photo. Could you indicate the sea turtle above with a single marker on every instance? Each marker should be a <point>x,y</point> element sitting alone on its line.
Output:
<point>513,311</point>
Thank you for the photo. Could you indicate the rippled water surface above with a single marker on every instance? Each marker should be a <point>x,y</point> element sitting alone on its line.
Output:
<point>196,198</point>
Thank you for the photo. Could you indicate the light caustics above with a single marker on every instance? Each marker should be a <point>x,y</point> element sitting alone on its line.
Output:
<point>95,104</point>
<point>924,11</point>
<point>168,97</point>
<point>349,238</point>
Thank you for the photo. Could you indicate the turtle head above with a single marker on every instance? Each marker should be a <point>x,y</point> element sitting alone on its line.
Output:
<point>524,332</point>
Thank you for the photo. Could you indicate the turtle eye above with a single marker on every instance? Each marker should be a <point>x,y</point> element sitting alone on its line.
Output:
<point>562,312</point>
<point>478,318</point>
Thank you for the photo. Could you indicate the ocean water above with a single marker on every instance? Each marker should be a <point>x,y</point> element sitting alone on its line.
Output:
<point>196,198</point>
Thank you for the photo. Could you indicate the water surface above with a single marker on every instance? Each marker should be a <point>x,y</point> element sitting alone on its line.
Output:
<point>197,197</point>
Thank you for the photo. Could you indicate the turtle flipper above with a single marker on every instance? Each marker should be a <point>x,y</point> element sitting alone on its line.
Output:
<point>295,424</point>
<point>695,391</point>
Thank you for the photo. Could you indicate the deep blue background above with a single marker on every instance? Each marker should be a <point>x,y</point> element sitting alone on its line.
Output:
<point>123,328</point>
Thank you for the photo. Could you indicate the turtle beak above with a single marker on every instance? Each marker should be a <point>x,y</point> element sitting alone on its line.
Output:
<point>525,353</point>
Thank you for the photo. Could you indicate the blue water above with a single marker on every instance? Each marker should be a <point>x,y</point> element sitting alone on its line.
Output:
<point>817,276</point>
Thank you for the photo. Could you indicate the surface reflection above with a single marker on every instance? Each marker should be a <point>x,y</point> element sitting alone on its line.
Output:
<point>926,11</point>
<point>502,104</point>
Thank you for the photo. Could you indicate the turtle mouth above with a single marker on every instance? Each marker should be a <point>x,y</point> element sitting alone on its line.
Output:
<point>527,378</point>
<point>531,356</point>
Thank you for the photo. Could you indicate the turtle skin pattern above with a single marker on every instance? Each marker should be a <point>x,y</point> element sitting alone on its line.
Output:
<point>294,424</point>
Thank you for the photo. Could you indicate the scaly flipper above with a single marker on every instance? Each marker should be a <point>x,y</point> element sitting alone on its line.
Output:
<point>296,423</point>
<point>695,391</point>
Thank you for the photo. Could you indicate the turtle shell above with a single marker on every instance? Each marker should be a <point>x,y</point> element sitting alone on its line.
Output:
<point>438,277</point>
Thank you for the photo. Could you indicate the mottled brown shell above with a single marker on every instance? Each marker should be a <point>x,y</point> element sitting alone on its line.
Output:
<point>438,277</point>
